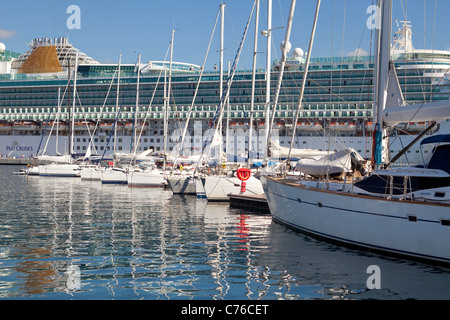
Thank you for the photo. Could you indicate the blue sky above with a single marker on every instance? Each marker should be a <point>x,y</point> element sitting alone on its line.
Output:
<point>135,27</point>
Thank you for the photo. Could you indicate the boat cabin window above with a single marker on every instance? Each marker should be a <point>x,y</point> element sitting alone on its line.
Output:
<point>382,185</point>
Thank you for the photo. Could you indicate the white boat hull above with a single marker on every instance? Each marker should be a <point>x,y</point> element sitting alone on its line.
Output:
<point>150,179</point>
<point>110,176</point>
<point>217,188</point>
<point>92,174</point>
<point>408,228</point>
<point>32,171</point>
<point>59,170</point>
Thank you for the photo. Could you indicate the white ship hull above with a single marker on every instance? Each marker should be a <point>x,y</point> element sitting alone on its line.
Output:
<point>26,146</point>
<point>362,221</point>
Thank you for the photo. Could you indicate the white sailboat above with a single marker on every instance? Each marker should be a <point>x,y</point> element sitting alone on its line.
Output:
<point>152,176</point>
<point>404,211</point>
<point>115,173</point>
<point>218,187</point>
<point>64,167</point>
<point>182,182</point>
<point>149,178</point>
<point>90,171</point>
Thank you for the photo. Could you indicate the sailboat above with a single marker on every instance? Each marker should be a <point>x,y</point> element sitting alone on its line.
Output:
<point>218,187</point>
<point>116,172</point>
<point>401,211</point>
<point>182,182</point>
<point>152,176</point>
<point>64,167</point>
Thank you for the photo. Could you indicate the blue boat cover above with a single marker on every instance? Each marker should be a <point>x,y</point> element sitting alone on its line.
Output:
<point>436,139</point>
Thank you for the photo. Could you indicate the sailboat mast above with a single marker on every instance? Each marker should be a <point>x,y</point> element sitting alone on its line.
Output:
<point>137,103</point>
<point>168,101</point>
<point>222,32</point>
<point>117,101</point>
<point>220,108</point>
<point>197,88</point>
<point>285,50</point>
<point>305,75</point>
<point>383,55</point>
<point>252,103</point>
<point>227,138</point>
<point>69,109</point>
<point>57,119</point>
<point>268,67</point>
<point>222,12</point>
<point>73,105</point>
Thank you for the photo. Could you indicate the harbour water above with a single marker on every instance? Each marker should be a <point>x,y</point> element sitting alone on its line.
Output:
<point>68,239</point>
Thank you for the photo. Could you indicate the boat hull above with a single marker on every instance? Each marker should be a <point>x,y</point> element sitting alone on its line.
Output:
<point>182,185</point>
<point>32,171</point>
<point>406,228</point>
<point>59,170</point>
<point>152,179</point>
<point>217,188</point>
<point>200,187</point>
<point>109,176</point>
<point>90,174</point>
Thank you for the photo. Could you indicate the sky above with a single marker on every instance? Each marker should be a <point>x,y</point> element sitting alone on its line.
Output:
<point>112,27</point>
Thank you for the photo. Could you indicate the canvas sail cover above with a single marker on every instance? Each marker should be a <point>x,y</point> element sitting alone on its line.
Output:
<point>280,152</point>
<point>332,164</point>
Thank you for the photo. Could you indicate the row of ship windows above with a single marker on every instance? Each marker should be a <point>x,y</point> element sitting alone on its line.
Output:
<point>170,148</point>
<point>291,96</point>
<point>10,107</point>
<point>245,108</point>
<point>288,83</point>
<point>205,115</point>
<point>94,113</point>
<point>294,78</point>
<point>286,94</point>
<point>211,81</point>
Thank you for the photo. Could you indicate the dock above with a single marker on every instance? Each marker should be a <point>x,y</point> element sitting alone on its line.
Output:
<point>257,203</point>
<point>15,162</point>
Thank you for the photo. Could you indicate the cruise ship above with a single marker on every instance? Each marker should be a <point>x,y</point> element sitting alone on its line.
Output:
<point>38,107</point>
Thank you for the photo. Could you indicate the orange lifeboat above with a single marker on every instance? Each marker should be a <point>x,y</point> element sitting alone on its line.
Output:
<point>139,126</point>
<point>239,125</point>
<point>5,127</point>
<point>83,125</point>
<point>26,126</point>
<point>308,126</point>
<point>60,125</point>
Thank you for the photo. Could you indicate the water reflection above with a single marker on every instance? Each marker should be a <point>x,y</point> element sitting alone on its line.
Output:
<point>63,238</point>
